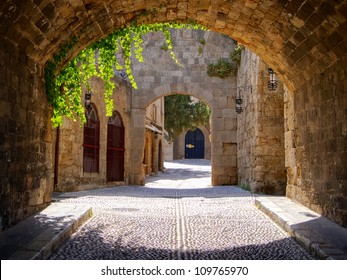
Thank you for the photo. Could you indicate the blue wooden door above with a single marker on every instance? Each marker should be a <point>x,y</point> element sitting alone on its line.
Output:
<point>194,144</point>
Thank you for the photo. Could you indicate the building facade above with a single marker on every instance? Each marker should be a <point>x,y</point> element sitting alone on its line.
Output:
<point>96,154</point>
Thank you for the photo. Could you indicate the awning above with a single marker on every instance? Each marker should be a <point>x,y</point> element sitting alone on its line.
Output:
<point>153,128</point>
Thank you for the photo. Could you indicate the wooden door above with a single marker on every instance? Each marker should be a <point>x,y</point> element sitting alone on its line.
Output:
<point>115,148</point>
<point>194,144</point>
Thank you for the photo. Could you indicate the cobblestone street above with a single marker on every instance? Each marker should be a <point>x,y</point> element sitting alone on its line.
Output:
<point>177,215</point>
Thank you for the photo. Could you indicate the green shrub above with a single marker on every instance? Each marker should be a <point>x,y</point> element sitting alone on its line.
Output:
<point>223,68</point>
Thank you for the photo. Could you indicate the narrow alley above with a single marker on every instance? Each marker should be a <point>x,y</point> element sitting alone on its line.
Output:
<point>176,215</point>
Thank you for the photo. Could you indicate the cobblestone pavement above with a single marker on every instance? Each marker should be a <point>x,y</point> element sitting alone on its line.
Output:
<point>177,215</point>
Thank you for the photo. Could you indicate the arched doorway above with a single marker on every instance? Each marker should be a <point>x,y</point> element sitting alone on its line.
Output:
<point>115,148</point>
<point>91,140</point>
<point>194,144</point>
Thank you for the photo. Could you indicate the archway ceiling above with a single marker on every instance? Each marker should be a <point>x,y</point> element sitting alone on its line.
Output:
<point>299,39</point>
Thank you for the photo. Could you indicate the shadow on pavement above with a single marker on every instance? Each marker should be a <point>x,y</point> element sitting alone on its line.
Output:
<point>22,234</point>
<point>277,250</point>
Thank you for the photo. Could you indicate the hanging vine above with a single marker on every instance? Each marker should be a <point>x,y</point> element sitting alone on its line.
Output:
<point>64,89</point>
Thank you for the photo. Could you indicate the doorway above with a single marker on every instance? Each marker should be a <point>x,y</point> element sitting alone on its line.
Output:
<point>194,144</point>
<point>115,148</point>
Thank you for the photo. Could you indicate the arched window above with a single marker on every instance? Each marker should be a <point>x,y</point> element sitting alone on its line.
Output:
<point>91,140</point>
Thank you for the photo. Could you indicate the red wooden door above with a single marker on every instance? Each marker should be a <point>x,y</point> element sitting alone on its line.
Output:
<point>115,148</point>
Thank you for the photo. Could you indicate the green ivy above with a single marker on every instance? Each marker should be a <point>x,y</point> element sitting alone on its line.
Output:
<point>235,55</point>
<point>225,67</point>
<point>222,69</point>
<point>64,88</point>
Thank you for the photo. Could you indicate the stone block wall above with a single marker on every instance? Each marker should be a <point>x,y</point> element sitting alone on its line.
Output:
<point>260,133</point>
<point>25,137</point>
<point>316,142</point>
<point>168,150</point>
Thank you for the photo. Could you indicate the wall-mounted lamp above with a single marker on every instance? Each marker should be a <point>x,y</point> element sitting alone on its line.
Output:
<point>272,85</point>
<point>87,99</point>
<point>239,105</point>
<point>238,100</point>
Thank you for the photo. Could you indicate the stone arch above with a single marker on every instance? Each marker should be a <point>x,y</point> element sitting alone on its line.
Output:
<point>197,92</point>
<point>159,76</point>
<point>289,36</point>
<point>303,41</point>
<point>222,135</point>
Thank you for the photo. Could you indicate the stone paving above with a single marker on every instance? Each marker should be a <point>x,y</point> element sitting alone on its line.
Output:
<point>177,215</point>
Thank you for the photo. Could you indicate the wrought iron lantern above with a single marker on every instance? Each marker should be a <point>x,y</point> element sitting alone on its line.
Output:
<point>87,99</point>
<point>239,105</point>
<point>240,90</point>
<point>272,85</point>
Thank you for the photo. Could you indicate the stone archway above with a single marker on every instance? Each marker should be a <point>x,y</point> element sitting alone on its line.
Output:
<point>303,41</point>
<point>156,80</point>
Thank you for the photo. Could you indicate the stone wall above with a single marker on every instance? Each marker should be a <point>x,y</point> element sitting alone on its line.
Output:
<point>25,137</point>
<point>159,76</point>
<point>316,143</point>
<point>168,151</point>
<point>260,129</point>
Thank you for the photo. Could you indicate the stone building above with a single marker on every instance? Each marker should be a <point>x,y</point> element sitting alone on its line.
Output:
<point>303,41</point>
<point>96,154</point>
<point>85,157</point>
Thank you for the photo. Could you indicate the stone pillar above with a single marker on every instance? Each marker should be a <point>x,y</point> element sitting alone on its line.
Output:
<point>25,138</point>
<point>137,133</point>
<point>223,143</point>
<point>260,129</point>
<point>290,147</point>
<point>155,155</point>
<point>148,153</point>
